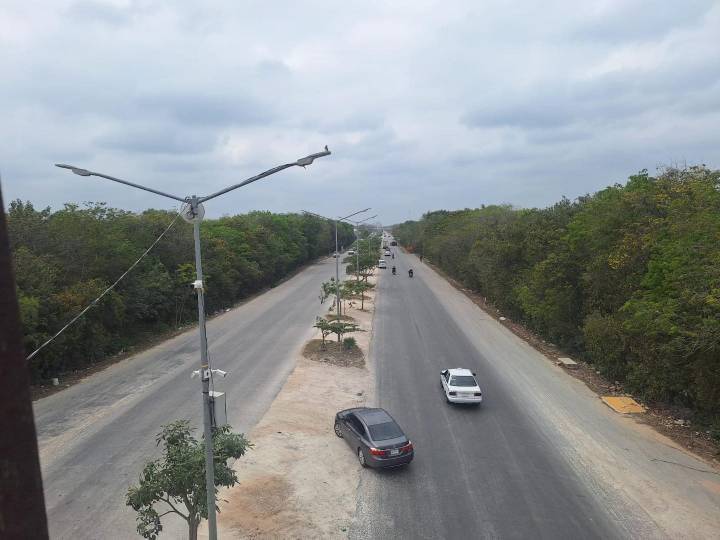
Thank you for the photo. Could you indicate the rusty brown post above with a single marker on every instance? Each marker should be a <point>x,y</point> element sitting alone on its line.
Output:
<point>22,504</point>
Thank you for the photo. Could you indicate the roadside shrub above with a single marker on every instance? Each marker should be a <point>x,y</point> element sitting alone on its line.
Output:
<point>604,345</point>
<point>349,343</point>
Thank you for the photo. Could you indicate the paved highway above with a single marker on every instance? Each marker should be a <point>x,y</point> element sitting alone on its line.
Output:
<point>542,458</point>
<point>95,437</point>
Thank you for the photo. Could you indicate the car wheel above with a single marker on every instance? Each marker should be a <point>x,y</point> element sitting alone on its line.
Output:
<point>338,431</point>
<point>361,458</point>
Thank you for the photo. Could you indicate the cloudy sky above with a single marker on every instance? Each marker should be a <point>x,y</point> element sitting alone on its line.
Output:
<point>424,104</point>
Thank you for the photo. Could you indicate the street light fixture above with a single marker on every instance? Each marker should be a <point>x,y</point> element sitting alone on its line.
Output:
<point>193,213</point>
<point>337,255</point>
<point>357,239</point>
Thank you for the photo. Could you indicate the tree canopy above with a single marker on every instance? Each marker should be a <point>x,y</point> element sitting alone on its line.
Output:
<point>175,483</point>
<point>66,258</point>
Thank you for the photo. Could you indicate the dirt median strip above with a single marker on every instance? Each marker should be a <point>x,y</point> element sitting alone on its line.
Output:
<point>300,480</point>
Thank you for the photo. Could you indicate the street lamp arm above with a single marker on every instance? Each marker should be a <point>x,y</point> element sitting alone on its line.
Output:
<point>354,214</point>
<point>248,181</point>
<point>302,162</point>
<point>85,172</point>
<point>361,221</point>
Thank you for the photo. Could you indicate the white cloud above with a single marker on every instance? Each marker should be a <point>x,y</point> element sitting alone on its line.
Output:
<point>425,104</point>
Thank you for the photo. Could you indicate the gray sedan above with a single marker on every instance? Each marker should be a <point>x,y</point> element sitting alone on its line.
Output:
<point>374,436</point>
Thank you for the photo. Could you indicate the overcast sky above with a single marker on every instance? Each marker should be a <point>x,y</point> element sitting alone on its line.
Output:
<point>425,105</point>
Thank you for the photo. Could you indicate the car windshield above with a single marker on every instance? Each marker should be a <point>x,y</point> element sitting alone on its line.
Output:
<point>385,431</point>
<point>463,380</point>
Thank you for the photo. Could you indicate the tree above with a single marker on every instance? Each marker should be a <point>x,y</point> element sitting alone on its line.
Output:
<point>324,326</point>
<point>340,328</point>
<point>357,288</point>
<point>177,479</point>
<point>337,327</point>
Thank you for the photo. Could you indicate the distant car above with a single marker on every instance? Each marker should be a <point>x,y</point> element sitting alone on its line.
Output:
<point>335,255</point>
<point>388,253</point>
<point>393,243</point>
<point>375,437</point>
<point>351,252</point>
<point>460,386</point>
<point>382,263</point>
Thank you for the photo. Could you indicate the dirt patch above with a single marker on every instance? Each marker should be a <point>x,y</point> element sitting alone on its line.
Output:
<point>673,422</point>
<point>258,509</point>
<point>334,353</point>
<point>335,317</point>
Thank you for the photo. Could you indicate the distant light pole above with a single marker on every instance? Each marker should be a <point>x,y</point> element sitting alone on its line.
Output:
<point>357,239</point>
<point>337,255</point>
<point>193,213</point>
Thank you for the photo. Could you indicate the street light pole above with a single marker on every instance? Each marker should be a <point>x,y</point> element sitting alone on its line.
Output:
<point>194,213</point>
<point>204,372</point>
<point>357,240</point>
<point>337,273</point>
<point>337,255</point>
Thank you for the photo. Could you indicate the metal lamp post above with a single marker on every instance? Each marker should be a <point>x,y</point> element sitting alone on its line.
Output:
<point>357,239</point>
<point>337,255</point>
<point>194,212</point>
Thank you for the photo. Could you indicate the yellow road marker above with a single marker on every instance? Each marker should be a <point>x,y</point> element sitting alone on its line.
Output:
<point>623,405</point>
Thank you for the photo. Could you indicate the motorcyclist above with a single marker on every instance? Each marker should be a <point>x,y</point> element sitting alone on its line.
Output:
<point>410,272</point>
<point>393,270</point>
<point>393,256</point>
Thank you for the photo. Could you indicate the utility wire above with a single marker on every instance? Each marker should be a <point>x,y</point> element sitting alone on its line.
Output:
<point>111,287</point>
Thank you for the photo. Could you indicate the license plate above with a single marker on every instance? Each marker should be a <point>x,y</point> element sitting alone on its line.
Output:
<point>394,452</point>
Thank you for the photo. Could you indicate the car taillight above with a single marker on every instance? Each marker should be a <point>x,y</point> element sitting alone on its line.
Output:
<point>377,452</point>
<point>478,393</point>
<point>407,448</point>
<point>453,393</point>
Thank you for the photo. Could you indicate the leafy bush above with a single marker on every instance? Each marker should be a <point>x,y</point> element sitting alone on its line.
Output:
<point>349,343</point>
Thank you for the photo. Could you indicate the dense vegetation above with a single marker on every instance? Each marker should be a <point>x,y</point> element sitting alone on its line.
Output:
<point>628,278</point>
<point>65,259</point>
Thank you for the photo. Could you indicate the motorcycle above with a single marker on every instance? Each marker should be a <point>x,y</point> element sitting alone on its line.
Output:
<point>410,273</point>
<point>393,270</point>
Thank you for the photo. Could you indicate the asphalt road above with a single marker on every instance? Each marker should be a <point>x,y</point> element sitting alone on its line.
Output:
<point>542,458</point>
<point>96,436</point>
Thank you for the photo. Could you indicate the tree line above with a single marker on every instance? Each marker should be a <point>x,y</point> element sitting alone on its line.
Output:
<point>627,278</point>
<point>64,259</point>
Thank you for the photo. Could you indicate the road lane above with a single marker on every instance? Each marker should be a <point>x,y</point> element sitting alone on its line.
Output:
<point>494,472</point>
<point>95,437</point>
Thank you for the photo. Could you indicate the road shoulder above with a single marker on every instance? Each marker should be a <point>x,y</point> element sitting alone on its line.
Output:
<point>667,421</point>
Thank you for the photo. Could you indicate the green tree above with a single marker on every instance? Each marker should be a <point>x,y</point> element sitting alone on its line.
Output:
<point>356,288</point>
<point>175,483</point>
<point>337,327</point>
<point>325,330</point>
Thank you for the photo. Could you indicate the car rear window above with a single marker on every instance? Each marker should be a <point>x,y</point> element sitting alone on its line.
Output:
<point>385,431</point>
<point>463,380</point>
